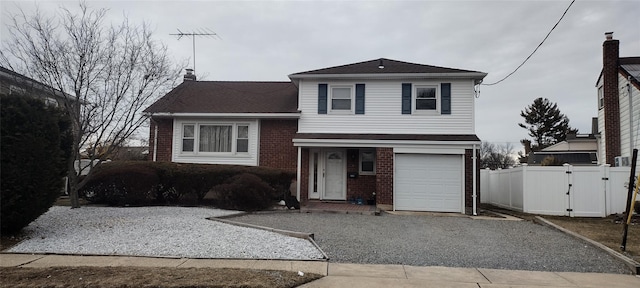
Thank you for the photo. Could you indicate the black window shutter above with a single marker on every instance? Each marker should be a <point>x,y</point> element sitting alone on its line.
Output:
<point>406,98</point>
<point>359,98</point>
<point>445,97</point>
<point>322,98</point>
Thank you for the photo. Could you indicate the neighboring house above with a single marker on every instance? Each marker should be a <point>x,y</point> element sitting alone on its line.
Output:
<point>14,83</point>
<point>578,149</point>
<point>618,105</point>
<point>403,131</point>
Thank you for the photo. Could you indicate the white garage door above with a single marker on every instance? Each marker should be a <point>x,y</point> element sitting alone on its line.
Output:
<point>428,182</point>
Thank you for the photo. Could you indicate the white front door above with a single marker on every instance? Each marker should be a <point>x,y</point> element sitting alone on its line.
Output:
<point>335,175</point>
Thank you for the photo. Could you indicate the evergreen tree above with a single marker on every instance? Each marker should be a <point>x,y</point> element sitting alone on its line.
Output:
<point>545,123</point>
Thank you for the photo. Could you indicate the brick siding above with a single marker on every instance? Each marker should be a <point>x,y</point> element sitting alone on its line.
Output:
<point>165,139</point>
<point>610,49</point>
<point>362,186</point>
<point>304,177</point>
<point>384,176</point>
<point>276,146</point>
<point>468,179</point>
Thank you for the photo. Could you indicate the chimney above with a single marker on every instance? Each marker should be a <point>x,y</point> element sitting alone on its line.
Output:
<point>610,54</point>
<point>189,76</point>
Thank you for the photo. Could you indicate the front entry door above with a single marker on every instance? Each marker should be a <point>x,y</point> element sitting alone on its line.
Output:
<point>335,175</point>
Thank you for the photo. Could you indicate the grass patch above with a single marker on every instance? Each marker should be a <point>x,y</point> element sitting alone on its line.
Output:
<point>99,277</point>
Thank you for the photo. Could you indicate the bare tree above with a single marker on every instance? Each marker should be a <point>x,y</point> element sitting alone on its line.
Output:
<point>109,73</point>
<point>495,156</point>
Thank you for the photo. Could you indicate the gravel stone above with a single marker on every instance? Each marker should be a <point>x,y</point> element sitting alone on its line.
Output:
<point>443,241</point>
<point>158,232</point>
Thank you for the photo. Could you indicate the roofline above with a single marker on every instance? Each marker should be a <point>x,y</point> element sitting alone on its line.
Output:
<point>297,142</point>
<point>474,75</point>
<point>294,115</point>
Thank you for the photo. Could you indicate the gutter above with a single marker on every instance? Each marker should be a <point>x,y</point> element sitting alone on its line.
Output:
<point>294,115</point>
<point>475,188</point>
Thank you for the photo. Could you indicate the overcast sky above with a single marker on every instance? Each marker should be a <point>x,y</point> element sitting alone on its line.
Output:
<point>268,40</point>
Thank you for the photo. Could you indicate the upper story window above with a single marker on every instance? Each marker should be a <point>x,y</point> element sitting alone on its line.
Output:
<point>600,98</point>
<point>341,99</point>
<point>227,138</point>
<point>426,98</point>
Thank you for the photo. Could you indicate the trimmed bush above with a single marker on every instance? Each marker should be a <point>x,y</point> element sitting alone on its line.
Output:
<point>126,184</point>
<point>243,192</point>
<point>163,183</point>
<point>33,159</point>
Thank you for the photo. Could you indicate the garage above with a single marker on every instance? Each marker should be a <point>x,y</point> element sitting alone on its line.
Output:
<point>428,182</point>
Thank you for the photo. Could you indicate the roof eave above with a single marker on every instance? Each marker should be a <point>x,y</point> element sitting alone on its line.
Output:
<point>472,75</point>
<point>293,115</point>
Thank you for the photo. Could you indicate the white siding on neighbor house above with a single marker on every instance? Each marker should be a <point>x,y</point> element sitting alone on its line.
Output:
<point>248,159</point>
<point>602,156</point>
<point>628,129</point>
<point>383,110</point>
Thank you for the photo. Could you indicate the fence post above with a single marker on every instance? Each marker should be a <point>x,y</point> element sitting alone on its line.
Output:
<point>606,194</point>
<point>569,193</point>
<point>524,187</point>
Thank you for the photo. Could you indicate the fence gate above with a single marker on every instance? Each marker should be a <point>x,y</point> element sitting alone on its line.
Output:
<point>585,190</point>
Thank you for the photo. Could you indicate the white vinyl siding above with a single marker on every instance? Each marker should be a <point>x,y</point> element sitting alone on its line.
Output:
<point>383,110</point>
<point>234,157</point>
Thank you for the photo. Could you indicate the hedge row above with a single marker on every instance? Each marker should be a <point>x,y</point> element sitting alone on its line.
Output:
<point>139,183</point>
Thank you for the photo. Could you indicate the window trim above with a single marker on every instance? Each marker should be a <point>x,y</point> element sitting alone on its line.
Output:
<point>352,98</point>
<point>414,99</point>
<point>234,138</point>
<point>600,97</point>
<point>360,152</point>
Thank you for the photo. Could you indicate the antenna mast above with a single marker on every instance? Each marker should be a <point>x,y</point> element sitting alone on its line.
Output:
<point>206,32</point>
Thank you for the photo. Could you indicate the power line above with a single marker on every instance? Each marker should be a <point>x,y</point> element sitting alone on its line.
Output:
<point>534,51</point>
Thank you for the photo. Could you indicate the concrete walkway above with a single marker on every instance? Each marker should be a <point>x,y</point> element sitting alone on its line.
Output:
<point>350,275</point>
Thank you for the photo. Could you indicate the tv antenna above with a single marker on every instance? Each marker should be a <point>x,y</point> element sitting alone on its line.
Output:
<point>204,32</point>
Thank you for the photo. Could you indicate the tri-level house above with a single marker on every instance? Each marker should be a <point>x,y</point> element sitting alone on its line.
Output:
<point>618,89</point>
<point>403,132</point>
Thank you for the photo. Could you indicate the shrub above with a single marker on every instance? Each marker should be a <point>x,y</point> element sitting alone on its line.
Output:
<point>33,159</point>
<point>243,192</point>
<point>122,184</point>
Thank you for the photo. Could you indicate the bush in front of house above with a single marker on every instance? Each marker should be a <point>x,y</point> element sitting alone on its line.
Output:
<point>245,192</point>
<point>33,159</point>
<point>122,184</point>
<point>137,183</point>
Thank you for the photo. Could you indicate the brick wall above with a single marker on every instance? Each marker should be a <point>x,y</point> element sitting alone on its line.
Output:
<point>468,179</point>
<point>384,176</point>
<point>610,53</point>
<point>364,185</point>
<point>165,139</point>
<point>304,177</point>
<point>276,146</point>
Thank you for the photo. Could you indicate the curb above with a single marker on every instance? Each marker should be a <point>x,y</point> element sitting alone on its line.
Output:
<point>301,235</point>
<point>632,264</point>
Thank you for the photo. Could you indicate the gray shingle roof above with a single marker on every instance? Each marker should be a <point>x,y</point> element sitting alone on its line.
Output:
<point>632,66</point>
<point>390,67</point>
<point>228,97</point>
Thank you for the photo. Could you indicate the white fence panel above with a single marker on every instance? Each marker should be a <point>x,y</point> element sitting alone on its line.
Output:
<point>617,189</point>
<point>586,191</point>
<point>546,190</point>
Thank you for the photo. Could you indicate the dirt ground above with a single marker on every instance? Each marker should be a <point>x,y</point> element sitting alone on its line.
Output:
<point>98,277</point>
<point>607,231</point>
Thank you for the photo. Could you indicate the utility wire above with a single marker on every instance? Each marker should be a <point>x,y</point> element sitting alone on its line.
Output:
<point>534,51</point>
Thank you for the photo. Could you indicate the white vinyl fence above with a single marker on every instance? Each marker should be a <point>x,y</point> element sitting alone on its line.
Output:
<point>576,191</point>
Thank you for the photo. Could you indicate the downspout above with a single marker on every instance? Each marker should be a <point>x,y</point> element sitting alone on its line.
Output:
<point>630,116</point>
<point>298,173</point>
<point>475,195</point>
<point>155,141</point>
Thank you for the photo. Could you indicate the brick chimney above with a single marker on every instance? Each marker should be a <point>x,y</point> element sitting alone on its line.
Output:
<point>610,54</point>
<point>189,76</point>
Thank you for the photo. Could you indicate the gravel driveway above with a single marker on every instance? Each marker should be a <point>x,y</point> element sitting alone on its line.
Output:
<point>443,241</point>
<point>156,231</point>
